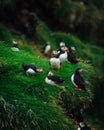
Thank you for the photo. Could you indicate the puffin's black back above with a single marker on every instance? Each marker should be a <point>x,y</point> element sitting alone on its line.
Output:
<point>79,81</point>
<point>56,79</point>
<point>44,47</point>
<point>71,57</point>
<point>27,66</point>
<point>86,127</point>
<point>79,117</point>
<point>33,67</point>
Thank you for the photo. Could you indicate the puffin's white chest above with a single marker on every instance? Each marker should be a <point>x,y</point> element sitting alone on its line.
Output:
<point>79,128</point>
<point>47,49</point>
<point>72,79</point>
<point>48,81</point>
<point>63,57</point>
<point>30,71</point>
<point>55,63</point>
<point>15,49</point>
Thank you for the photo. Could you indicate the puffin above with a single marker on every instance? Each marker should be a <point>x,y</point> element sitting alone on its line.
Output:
<point>55,63</point>
<point>53,80</point>
<point>71,57</point>
<point>63,54</point>
<point>76,115</point>
<point>14,43</point>
<point>86,2</point>
<point>83,126</point>
<point>47,49</point>
<point>57,53</point>
<point>62,48</point>
<point>79,117</point>
<point>15,46</point>
<point>31,69</point>
<point>78,80</point>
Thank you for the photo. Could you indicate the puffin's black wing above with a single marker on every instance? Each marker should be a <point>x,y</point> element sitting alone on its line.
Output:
<point>32,66</point>
<point>56,79</point>
<point>44,47</point>
<point>79,81</point>
<point>71,58</point>
<point>79,117</point>
<point>59,53</point>
<point>27,66</point>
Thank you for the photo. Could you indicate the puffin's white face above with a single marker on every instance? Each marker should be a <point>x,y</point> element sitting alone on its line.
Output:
<point>64,48</point>
<point>80,70</point>
<point>62,44</point>
<point>73,48</point>
<point>50,74</point>
<point>81,124</point>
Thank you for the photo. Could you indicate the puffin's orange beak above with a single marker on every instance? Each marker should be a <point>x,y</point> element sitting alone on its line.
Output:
<point>77,123</point>
<point>67,50</point>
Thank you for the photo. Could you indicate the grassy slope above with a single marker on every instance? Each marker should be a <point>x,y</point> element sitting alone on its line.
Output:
<point>30,102</point>
<point>29,93</point>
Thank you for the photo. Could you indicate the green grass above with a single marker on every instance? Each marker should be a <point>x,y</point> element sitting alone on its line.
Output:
<point>19,90</point>
<point>30,103</point>
<point>23,93</point>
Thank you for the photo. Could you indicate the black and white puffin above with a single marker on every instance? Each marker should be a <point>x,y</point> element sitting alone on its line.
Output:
<point>47,49</point>
<point>83,126</point>
<point>61,47</point>
<point>15,46</point>
<point>78,80</point>
<point>14,43</point>
<point>63,55</point>
<point>31,69</point>
<point>78,117</point>
<point>71,57</point>
<point>53,80</point>
<point>61,52</point>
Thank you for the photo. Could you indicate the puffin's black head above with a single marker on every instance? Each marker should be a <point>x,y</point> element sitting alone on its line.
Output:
<point>79,117</point>
<point>78,70</point>
<point>47,43</point>
<point>72,49</point>
<point>25,66</point>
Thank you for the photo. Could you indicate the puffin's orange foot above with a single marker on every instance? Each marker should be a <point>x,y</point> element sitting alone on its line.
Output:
<point>78,89</point>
